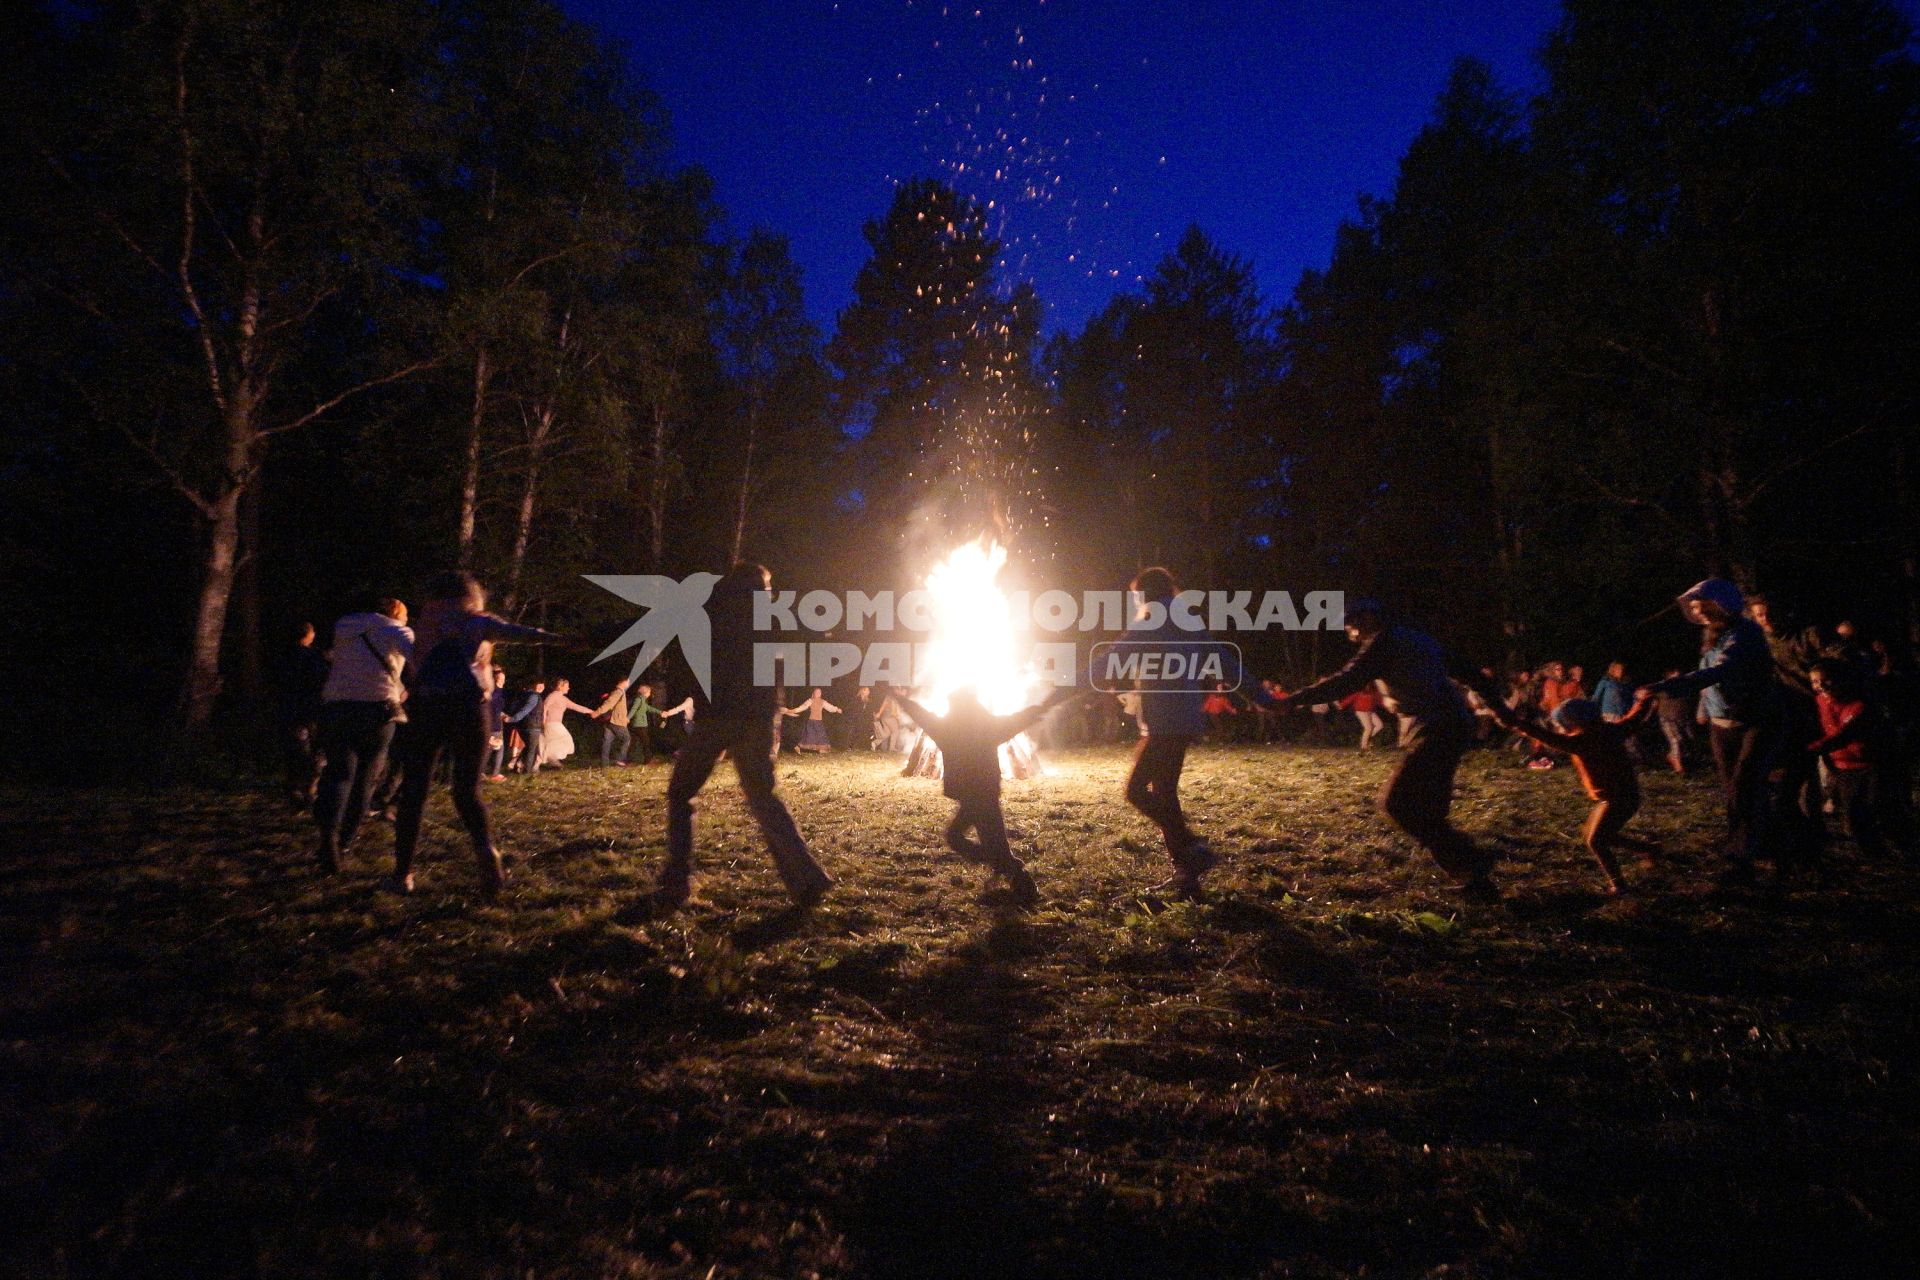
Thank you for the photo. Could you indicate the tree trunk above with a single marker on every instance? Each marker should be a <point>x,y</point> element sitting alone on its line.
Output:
<point>1506,560</point>
<point>746,481</point>
<point>523,518</point>
<point>218,564</point>
<point>246,598</point>
<point>657,492</point>
<point>470,476</point>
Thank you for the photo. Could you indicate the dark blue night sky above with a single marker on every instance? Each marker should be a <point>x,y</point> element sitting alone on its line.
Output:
<point>1099,130</point>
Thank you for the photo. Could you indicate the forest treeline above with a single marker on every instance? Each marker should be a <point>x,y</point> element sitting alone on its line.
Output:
<point>302,301</point>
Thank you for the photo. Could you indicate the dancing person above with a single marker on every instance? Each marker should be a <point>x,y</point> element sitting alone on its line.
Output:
<point>302,676</point>
<point>1612,692</point>
<point>860,730</point>
<point>813,735</point>
<point>526,720</point>
<point>1676,712</point>
<point>640,717</point>
<point>1266,719</point>
<point>1221,712</point>
<point>1418,676</point>
<point>1740,701</point>
<point>1365,705</point>
<point>1599,750</point>
<point>556,740</point>
<point>1523,700</point>
<point>1795,647</point>
<point>1552,676</point>
<point>613,709</point>
<point>1171,720</point>
<point>1859,743</point>
<point>494,768</point>
<point>1485,718</point>
<point>1615,698</point>
<point>738,721</point>
<point>683,708</point>
<point>1551,686</point>
<point>969,739</point>
<point>452,674</point>
<point>360,704</point>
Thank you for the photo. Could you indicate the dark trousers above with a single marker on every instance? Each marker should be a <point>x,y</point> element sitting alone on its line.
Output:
<point>1878,808</point>
<point>749,742</point>
<point>982,816</point>
<point>355,737</point>
<point>1802,824</point>
<point>1154,788</point>
<point>615,733</point>
<point>1743,755</point>
<point>531,732</point>
<point>386,782</point>
<point>457,728</point>
<point>643,738</point>
<point>1419,796</point>
<point>298,757</point>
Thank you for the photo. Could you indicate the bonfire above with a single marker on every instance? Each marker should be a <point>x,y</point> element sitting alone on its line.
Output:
<point>974,644</point>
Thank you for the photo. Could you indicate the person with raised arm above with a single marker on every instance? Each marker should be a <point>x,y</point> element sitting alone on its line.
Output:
<point>738,721</point>
<point>1599,747</point>
<point>813,736</point>
<point>1740,701</point>
<point>556,739</point>
<point>450,678</point>
<point>1418,677</point>
<point>969,738</point>
<point>613,709</point>
<point>526,720</point>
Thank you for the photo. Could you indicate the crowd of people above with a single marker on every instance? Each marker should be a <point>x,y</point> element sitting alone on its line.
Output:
<point>1801,723</point>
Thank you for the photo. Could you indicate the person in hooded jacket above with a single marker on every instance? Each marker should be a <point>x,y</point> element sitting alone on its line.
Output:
<point>360,705</point>
<point>1740,702</point>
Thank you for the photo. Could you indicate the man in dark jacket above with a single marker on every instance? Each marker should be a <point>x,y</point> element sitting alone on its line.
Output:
<point>1419,678</point>
<point>738,721</point>
<point>1740,699</point>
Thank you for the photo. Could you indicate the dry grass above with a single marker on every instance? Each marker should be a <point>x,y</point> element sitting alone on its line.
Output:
<point>218,1063</point>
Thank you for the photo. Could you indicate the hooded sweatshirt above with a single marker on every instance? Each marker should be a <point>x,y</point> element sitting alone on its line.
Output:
<point>1735,677</point>
<point>369,652</point>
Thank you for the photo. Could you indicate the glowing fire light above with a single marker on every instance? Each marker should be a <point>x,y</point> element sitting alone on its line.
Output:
<point>975,644</point>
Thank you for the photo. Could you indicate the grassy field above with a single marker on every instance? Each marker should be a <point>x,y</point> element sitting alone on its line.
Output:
<point>216,1062</point>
